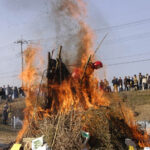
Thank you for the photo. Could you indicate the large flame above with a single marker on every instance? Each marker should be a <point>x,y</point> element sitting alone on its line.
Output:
<point>30,82</point>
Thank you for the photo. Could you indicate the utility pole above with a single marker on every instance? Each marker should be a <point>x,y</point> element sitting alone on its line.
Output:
<point>21,42</point>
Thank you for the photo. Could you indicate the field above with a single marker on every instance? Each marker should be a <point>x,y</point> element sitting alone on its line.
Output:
<point>138,101</point>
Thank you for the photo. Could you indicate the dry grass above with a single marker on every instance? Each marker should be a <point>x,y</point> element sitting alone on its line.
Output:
<point>63,132</point>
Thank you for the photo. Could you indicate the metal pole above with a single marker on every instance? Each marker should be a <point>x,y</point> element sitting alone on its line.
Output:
<point>22,59</point>
<point>21,42</point>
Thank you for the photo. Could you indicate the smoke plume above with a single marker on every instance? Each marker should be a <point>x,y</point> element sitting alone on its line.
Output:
<point>72,32</point>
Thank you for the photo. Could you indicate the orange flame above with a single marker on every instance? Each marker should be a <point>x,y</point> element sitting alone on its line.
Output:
<point>30,78</point>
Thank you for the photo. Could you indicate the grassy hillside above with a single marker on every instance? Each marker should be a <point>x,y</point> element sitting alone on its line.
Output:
<point>139,101</point>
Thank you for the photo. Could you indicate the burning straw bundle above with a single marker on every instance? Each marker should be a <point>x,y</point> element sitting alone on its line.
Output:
<point>63,131</point>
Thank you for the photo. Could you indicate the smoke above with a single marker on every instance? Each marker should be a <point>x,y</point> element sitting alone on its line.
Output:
<point>71,30</point>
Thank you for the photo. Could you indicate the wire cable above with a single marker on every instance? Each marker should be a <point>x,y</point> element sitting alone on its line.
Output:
<point>128,62</point>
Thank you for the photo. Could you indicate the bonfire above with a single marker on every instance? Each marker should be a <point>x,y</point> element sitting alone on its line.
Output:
<point>62,105</point>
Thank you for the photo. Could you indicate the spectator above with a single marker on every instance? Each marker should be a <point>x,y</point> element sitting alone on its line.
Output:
<point>15,92</point>
<point>115,84</point>
<point>144,82</point>
<point>128,83</point>
<point>21,92</point>
<point>8,92</point>
<point>125,83</point>
<point>4,93</point>
<point>148,82</point>
<point>140,81</point>
<point>107,88</point>
<point>131,84</point>
<point>135,82</point>
<point>5,113</point>
<point>1,93</point>
<point>120,84</point>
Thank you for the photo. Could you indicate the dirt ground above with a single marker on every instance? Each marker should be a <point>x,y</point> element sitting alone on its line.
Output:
<point>138,101</point>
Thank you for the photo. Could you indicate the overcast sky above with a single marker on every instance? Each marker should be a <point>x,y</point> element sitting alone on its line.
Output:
<point>126,22</point>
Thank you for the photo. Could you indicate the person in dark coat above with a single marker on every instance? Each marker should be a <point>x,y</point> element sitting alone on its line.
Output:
<point>4,93</point>
<point>128,83</point>
<point>148,82</point>
<point>120,84</point>
<point>5,113</point>
<point>115,84</point>
<point>125,84</point>
<point>140,77</point>
<point>15,92</point>
<point>1,94</point>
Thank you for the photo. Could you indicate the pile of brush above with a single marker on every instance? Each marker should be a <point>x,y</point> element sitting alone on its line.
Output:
<point>106,126</point>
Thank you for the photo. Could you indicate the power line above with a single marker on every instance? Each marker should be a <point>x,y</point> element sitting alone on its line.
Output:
<point>121,63</point>
<point>126,56</point>
<point>128,62</point>
<point>126,24</point>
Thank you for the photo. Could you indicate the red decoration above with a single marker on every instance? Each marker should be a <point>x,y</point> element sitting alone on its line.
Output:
<point>98,64</point>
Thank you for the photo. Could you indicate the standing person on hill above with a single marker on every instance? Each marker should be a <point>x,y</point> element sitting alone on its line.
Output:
<point>140,81</point>
<point>144,81</point>
<point>4,93</point>
<point>1,94</point>
<point>125,83</point>
<point>8,92</point>
<point>135,82</point>
<point>148,82</point>
<point>120,84</point>
<point>115,84</point>
<point>128,83</point>
<point>106,86</point>
<point>132,84</point>
<point>15,92</point>
<point>5,113</point>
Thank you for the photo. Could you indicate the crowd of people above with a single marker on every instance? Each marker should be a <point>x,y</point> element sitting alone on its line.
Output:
<point>9,93</point>
<point>136,82</point>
